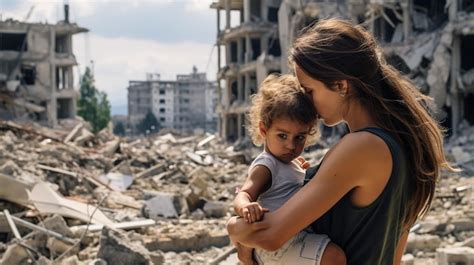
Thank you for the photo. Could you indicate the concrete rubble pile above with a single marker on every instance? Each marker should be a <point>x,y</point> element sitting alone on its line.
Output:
<point>74,197</point>
<point>162,199</point>
<point>446,235</point>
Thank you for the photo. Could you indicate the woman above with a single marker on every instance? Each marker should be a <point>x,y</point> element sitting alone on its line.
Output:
<point>377,180</point>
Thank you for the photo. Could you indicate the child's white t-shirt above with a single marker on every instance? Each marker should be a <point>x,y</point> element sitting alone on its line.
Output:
<point>287,179</point>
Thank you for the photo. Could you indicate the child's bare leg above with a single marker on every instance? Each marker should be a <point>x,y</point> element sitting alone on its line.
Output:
<point>245,254</point>
<point>333,255</point>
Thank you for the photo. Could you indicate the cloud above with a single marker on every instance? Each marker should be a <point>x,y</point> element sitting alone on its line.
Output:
<point>119,60</point>
<point>128,39</point>
<point>198,5</point>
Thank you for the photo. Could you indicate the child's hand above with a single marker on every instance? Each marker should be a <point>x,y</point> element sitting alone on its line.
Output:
<point>252,212</point>
<point>303,163</point>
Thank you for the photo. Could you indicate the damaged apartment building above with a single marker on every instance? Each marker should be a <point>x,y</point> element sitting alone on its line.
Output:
<point>186,104</point>
<point>36,71</point>
<point>430,41</point>
<point>247,52</point>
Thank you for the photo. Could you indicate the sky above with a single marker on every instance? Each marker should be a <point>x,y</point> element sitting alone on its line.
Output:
<point>129,38</point>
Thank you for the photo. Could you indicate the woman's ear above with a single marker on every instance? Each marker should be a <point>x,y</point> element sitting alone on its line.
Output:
<point>263,129</point>
<point>342,87</point>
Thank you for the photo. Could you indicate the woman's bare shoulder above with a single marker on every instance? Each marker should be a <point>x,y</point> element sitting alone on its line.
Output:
<point>361,152</point>
<point>362,144</point>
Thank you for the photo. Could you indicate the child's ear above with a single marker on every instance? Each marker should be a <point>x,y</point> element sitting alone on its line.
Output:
<point>263,129</point>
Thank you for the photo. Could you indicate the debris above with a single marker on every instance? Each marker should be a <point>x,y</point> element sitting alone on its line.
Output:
<point>163,204</point>
<point>215,209</point>
<point>115,248</point>
<point>47,200</point>
<point>6,213</point>
<point>151,171</point>
<point>187,201</point>
<point>117,181</point>
<point>41,229</point>
<point>74,132</point>
<point>124,226</point>
<point>13,190</point>
<point>460,255</point>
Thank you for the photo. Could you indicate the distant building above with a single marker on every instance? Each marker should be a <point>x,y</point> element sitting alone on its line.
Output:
<point>139,102</point>
<point>36,71</point>
<point>184,105</point>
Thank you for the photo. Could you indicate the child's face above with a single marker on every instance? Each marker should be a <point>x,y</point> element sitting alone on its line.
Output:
<point>285,139</point>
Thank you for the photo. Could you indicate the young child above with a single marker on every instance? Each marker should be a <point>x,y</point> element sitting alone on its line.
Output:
<point>283,118</point>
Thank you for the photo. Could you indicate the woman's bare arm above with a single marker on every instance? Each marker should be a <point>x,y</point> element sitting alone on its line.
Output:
<point>352,163</point>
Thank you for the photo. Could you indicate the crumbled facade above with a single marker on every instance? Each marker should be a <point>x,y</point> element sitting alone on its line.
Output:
<point>36,71</point>
<point>429,41</point>
<point>185,104</point>
<point>246,53</point>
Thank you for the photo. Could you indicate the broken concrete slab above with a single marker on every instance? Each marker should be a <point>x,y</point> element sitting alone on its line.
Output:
<point>117,180</point>
<point>46,200</point>
<point>408,259</point>
<point>21,222</point>
<point>13,190</point>
<point>162,205</point>
<point>200,160</point>
<point>57,224</point>
<point>422,242</point>
<point>215,209</point>
<point>15,254</point>
<point>124,226</point>
<point>151,171</point>
<point>115,248</point>
<point>73,133</point>
<point>459,255</point>
<point>188,242</point>
<point>60,247</point>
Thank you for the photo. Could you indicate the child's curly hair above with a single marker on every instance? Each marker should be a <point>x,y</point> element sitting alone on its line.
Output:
<point>281,96</point>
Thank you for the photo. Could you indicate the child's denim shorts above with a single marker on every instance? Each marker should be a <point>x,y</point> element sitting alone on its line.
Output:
<point>303,249</point>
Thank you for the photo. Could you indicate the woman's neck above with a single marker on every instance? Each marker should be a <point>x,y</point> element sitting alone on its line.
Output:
<point>358,117</point>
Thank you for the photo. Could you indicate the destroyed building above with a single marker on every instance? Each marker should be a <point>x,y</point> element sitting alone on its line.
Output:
<point>247,52</point>
<point>184,105</point>
<point>432,42</point>
<point>36,71</point>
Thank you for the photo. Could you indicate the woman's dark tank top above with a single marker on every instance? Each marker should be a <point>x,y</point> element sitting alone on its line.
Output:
<point>369,235</point>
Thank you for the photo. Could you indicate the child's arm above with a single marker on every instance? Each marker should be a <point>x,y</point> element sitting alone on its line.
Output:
<point>258,181</point>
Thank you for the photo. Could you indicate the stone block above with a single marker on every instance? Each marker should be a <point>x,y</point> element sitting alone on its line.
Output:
<point>456,255</point>
<point>115,248</point>
<point>215,209</point>
<point>188,242</point>
<point>422,242</point>
<point>408,259</point>
<point>162,205</point>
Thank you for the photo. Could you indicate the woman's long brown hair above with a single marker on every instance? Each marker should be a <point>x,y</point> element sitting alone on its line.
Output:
<point>333,50</point>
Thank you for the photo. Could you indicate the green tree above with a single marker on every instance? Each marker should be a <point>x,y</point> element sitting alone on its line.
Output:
<point>149,123</point>
<point>93,105</point>
<point>119,128</point>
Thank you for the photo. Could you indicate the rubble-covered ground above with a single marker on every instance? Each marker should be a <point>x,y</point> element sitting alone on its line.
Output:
<point>165,199</point>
